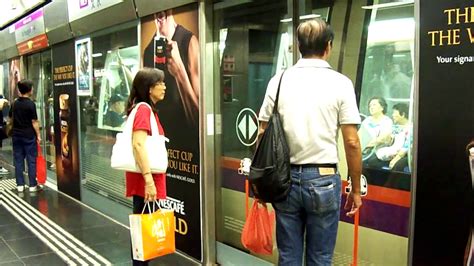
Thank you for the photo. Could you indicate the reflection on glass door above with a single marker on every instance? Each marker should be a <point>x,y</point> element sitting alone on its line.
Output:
<point>39,71</point>
<point>115,60</point>
<point>386,132</point>
<point>48,111</point>
<point>254,43</point>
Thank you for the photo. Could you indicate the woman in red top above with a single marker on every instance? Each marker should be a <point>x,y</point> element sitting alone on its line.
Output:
<point>148,86</point>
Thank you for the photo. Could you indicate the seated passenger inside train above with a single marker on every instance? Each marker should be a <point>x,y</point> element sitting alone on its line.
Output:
<point>394,156</point>
<point>115,116</point>
<point>376,129</point>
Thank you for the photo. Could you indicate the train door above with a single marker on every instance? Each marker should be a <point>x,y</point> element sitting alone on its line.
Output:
<point>254,42</point>
<point>39,70</point>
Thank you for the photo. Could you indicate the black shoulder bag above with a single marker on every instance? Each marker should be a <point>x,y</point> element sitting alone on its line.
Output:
<point>270,176</point>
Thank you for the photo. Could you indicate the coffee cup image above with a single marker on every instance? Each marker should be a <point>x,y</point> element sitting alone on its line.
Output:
<point>64,146</point>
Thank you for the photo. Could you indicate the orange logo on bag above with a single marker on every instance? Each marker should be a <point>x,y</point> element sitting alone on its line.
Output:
<point>158,231</point>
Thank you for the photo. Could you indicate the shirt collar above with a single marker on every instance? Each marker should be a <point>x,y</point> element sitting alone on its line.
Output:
<point>312,62</point>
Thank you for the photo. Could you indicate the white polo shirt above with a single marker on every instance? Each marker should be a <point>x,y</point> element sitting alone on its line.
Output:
<point>314,101</point>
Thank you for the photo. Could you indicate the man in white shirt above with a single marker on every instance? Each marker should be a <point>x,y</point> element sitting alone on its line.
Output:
<point>314,103</point>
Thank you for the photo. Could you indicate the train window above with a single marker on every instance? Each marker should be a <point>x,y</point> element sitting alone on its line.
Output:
<point>386,98</point>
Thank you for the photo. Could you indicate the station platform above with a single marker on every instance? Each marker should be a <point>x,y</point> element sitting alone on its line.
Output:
<point>50,228</point>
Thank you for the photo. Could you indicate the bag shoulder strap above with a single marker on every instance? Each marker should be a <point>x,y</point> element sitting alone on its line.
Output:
<point>153,122</point>
<point>275,107</point>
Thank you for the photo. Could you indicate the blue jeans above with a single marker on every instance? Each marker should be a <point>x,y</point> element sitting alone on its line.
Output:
<point>25,148</point>
<point>311,210</point>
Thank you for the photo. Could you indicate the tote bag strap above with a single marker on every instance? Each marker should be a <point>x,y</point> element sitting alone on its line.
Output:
<point>153,124</point>
<point>275,107</point>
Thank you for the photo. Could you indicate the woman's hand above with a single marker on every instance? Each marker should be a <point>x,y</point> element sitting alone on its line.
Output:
<point>394,161</point>
<point>150,192</point>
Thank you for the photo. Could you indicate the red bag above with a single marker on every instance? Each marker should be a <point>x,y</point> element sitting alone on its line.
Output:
<point>40,167</point>
<point>257,235</point>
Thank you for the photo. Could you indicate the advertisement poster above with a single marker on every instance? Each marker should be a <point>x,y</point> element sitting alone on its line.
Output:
<point>15,74</point>
<point>84,67</point>
<point>30,33</point>
<point>115,81</point>
<point>443,217</point>
<point>65,119</point>
<point>170,42</point>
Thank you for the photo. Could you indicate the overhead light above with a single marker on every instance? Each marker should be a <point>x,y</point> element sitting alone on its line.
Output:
<point>309,16</point>
<point>97,55</point>
<point>392,30</point>
<point>389,5</point>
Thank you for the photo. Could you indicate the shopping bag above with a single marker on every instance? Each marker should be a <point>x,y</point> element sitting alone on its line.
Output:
<point>257,235</point>
<point>40,167</point>
<point>152,234</point>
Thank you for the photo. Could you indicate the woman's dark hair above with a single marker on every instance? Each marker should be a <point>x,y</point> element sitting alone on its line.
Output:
<point>381,101</point>
<point>402,109</point>
<point>314,36</point>
<point>25,86</point>
<point>143,81</point>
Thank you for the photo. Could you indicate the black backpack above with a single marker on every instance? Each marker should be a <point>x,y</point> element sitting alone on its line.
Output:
<point>270,176</point>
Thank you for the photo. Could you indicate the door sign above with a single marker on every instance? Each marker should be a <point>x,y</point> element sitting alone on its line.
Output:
<point>246,126</point>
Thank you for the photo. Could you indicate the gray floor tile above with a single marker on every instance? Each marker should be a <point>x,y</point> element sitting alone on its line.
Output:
<point>7,218</point>
<point>6,254</point>
<point>48,259</point>
<point>12,263</point>
<point>14,231</point>
<point>115,252</point>
<point>26,247</point>
<point>102,234</point>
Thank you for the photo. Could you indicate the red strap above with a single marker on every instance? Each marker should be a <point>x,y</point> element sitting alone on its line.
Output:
<point>40,151</point>
<point>246,198</point>
<point>356,239</point>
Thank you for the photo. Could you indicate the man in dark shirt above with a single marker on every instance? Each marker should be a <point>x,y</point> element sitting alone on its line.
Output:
<point>25,135</point>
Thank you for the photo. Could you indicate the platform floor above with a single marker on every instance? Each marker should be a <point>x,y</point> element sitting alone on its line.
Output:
<point>50,228</point>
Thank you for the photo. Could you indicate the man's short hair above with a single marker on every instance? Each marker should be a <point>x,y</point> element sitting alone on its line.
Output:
<point>25,86</point>
<point>314,36</point>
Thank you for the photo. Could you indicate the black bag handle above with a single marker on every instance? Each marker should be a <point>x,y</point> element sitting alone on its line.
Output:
<point>275,107</point>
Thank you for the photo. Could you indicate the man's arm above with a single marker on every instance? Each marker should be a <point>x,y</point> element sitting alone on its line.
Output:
<point>188,86</point>
<point>142,160</point>
<point>261,128</point>
<point>36,127</point>
<point>354,163</point>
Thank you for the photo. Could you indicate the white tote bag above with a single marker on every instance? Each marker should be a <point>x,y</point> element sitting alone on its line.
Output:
<point>122,151</point>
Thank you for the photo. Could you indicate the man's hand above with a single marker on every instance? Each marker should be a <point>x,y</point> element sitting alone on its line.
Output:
<point>175,63</point>
<point>353,203</point>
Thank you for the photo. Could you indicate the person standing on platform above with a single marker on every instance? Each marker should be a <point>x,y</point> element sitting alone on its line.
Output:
<point>148,86</point>
<point>3,135</point>
<point>25,135</point>
<point>314,103</point>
